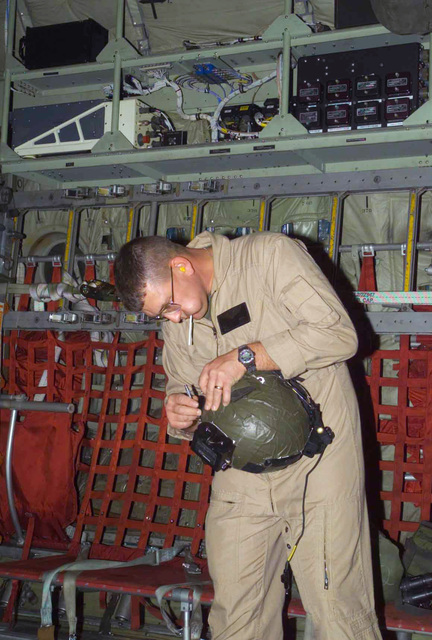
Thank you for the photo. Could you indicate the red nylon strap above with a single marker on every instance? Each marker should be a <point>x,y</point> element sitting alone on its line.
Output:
<point>111,272</point>
<point>367,280</point>
<point>55,279</point>
<point>90,274</point>
<point>28,279</point>
<point>112,281</point>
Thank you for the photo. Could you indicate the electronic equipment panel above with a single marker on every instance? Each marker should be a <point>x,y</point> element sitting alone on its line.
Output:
<point>377,87</point>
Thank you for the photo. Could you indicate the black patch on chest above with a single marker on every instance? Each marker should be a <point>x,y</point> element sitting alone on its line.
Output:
<point>233,318</point>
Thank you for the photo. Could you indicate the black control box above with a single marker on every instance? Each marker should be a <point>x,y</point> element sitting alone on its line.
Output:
<point>58,45</point>
<point>377,87</point>
<point>173,138</point>
<point>242,118</point>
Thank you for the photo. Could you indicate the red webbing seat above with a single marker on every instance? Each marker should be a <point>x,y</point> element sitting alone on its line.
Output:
<point>138,580</point>
<point>33,569</point>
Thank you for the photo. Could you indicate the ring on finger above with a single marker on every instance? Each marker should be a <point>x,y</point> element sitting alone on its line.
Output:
<point>218,387</point>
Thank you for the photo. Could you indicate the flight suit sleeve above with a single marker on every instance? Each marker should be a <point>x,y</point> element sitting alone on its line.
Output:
<point>316,331</point>
<point>179,371</point>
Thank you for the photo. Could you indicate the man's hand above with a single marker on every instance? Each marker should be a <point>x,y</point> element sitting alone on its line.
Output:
<point>217,378</point>
<point>182,411</point>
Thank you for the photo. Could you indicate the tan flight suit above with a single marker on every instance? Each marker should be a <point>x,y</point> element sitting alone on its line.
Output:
<point>254,519</point>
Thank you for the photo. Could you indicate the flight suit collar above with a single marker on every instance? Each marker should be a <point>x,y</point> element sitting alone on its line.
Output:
<point>221,255</point>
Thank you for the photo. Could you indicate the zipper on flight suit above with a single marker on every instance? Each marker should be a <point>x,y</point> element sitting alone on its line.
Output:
<point>324,548</point>
<point>216,338</point>
<point>326,578</point>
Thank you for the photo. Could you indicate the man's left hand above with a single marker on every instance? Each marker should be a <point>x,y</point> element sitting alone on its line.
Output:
<point>217,378</point>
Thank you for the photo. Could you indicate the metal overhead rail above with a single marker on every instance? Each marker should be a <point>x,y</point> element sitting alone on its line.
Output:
<point>71,320</point>
<point>110,257</point>
<point>232,189</point>
<point>371,248</point>
<point>398,322</point>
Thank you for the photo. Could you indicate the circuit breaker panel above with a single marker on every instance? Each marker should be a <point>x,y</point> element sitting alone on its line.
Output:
<point>377,87</point>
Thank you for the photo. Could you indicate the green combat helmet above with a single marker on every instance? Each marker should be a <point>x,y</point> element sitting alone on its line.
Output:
<point>269,424</point>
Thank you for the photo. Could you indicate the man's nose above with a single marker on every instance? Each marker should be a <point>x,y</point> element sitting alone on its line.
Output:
<point>175,316</point>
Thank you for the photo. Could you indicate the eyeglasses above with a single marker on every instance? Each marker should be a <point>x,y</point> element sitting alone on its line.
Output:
<point>170,307</point>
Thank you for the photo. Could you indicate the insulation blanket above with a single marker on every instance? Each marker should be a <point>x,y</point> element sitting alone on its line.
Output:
<point>201,20</point>
<point>178,20</point>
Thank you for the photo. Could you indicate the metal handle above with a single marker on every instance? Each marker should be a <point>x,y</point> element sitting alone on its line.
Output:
<point>20,403</point>
<point>9,481</point>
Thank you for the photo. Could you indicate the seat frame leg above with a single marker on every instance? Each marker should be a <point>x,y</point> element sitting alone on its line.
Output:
<point>186,609</point>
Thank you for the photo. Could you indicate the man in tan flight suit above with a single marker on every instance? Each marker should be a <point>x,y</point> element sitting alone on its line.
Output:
<point>266,292</point>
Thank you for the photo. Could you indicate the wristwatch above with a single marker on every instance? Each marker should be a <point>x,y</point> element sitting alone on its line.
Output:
<point>247,357</point>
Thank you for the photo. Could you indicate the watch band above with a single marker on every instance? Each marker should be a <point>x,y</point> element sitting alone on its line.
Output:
<point>247,357</point>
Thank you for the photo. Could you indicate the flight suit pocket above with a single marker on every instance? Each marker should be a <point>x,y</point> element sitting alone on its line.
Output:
<point>306,304</point>
<point>223,536</point>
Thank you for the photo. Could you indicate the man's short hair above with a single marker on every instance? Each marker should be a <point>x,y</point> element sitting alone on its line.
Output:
<point>140,261</point>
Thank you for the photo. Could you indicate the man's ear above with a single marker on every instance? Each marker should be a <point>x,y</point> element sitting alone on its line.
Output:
<point>183,265</point>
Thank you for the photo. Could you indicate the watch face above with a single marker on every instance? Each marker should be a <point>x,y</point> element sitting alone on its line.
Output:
<point>246,356</point>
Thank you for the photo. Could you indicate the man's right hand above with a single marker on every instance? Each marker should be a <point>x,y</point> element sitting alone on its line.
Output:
<point>182,411</point>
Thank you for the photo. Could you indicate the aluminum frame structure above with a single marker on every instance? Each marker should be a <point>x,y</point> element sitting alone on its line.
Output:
<point>283,148</point>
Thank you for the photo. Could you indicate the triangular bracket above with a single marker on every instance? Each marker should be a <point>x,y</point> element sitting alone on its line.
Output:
<point>115,141</point>
<point>283,127</point>
<point>423,115</point>
<point>293,23</point>
<point>13,64</point>
<point>121,46</point>
<point>8,154</point>
<point>311,158</point>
